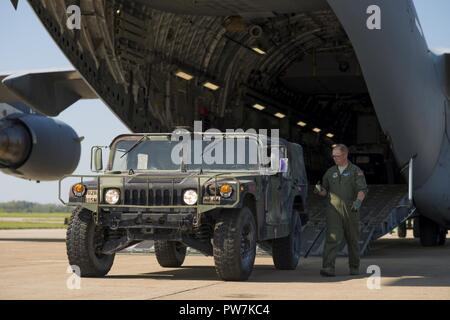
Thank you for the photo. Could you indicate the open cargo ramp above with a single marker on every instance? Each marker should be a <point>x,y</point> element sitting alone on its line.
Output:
<point>385,207</point>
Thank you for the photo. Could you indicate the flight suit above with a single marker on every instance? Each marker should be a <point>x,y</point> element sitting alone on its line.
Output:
<point>342,222</point>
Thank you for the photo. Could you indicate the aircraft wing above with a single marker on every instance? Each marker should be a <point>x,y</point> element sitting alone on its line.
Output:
<point>48,92</point>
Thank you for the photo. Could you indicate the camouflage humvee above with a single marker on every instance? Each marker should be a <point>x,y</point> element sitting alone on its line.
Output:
<point>220,209</point>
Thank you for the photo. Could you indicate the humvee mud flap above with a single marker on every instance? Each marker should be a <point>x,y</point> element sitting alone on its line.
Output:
<point>385,208</point>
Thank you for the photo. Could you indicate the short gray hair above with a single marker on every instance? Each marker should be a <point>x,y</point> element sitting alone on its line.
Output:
<point>342,147</point>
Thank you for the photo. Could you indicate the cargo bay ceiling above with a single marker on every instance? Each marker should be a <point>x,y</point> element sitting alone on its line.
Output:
<point>259,64</point>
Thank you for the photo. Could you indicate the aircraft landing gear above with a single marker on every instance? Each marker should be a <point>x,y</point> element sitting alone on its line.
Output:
<point>401,230</point>
<point>416,232</point>
<point>442,237</point>
<point>431,234</point>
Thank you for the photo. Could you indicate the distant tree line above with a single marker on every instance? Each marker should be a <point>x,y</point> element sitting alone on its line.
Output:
<point>31,207</point>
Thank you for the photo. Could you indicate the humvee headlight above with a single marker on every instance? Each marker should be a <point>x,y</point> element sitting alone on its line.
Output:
<point>112,196</point>
<point>226,190</point>
<point>190,197</point>
<point>79,190</point>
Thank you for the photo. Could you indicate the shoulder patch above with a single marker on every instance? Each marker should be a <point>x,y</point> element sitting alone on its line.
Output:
<point>360,173</point>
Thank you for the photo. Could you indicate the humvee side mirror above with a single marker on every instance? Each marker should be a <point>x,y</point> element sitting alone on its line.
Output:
<point>280,166</point>
<point>284,165</point>
<point>97,159</point>
<point>277,164</point>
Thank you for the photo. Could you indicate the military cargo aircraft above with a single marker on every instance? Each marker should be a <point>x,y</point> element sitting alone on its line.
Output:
<point>322,71</point>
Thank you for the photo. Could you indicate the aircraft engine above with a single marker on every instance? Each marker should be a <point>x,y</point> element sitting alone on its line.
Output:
<point>35,147</point>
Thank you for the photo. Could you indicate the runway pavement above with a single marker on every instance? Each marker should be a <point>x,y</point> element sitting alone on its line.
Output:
<point>33,265</point>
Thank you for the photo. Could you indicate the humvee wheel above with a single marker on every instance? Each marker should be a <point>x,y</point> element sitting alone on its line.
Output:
<point>235,244</point>
<point>83,243</point>
<point>286,251</point>
<point>170,254</point>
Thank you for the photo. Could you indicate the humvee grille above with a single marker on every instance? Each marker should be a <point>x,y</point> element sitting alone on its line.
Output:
<point>158,197</point>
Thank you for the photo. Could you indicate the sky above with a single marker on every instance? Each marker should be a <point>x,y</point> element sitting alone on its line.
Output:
<point>25,45</point>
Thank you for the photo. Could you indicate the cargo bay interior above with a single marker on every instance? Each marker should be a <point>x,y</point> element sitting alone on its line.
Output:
<point>294,72</point>
<point>159,65</point>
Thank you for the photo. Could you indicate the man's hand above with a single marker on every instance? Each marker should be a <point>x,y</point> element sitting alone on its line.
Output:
<point>356,205</point>
<point>319,190</point>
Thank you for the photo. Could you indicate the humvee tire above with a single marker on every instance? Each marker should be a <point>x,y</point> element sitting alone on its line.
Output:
<point>82,241</point>
<point>286,251</point>
<point>170,254</point>
<point>234,244</point>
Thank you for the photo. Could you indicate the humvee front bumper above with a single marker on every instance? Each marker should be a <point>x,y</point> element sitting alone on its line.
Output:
<point>149,201</point>
<point>148,220</point>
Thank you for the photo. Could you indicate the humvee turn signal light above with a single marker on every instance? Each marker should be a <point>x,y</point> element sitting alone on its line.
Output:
<point>79,190</point>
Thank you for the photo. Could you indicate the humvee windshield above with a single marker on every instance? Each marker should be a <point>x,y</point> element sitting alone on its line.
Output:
<point>141,154</point>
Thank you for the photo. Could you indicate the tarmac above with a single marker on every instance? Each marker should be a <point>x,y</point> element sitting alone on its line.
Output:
<point>33,265</point>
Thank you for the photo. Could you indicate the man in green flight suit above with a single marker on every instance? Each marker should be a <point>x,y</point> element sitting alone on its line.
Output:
<point>346,188</point>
